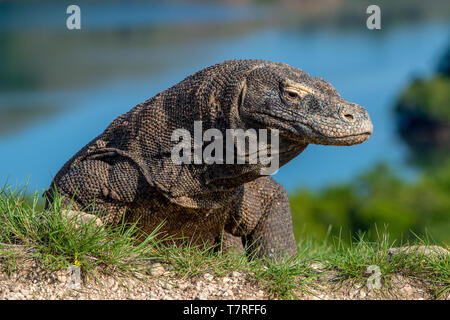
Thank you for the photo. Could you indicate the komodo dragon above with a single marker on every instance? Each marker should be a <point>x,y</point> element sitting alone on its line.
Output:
<point>128,169</point>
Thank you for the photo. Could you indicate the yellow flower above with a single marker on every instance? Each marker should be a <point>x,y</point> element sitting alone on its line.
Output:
<point>76,262</point>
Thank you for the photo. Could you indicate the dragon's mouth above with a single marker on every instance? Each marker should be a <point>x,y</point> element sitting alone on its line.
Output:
<point>317,137</point>
<point>308,133</point>
<point>342,141</point>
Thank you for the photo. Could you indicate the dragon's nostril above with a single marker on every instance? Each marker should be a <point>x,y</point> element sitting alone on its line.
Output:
<point>348,116</point>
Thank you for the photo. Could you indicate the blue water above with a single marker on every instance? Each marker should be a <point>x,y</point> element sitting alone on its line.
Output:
<point>120,14</point>
<point>366,67</point>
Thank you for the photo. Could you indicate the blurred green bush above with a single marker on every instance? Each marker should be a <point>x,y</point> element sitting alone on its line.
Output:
<point>430,97</point>
<point>423,116</point>
<point>376,202</point>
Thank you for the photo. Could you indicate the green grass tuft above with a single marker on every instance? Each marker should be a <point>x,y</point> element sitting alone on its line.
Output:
<point>58,243</point>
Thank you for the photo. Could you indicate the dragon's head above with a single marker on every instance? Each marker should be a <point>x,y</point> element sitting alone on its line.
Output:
<point>303,108</point>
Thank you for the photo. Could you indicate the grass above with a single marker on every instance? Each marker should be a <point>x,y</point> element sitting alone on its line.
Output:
<point>58,243</point>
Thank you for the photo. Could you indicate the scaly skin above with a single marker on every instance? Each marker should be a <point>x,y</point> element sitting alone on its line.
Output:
<point>128,168</point>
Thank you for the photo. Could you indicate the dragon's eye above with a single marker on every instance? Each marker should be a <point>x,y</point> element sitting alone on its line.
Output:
<point>294,92</point>
<point>293,95</point>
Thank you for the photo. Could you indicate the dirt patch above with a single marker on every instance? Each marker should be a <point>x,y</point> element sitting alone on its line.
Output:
<point>28,279</point>
<point>399,288</point>
<point>31,280</point>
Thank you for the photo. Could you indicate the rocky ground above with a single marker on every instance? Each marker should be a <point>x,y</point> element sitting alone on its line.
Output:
<point>30,280</point>
<point>33,282</point>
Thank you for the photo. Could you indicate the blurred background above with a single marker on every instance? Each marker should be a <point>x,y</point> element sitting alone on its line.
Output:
<point>60,88</point>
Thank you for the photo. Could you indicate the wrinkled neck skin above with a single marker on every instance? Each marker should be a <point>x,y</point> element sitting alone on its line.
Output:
<point>229,176</point>
<point>217,107</point>
<point>220,110</point>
